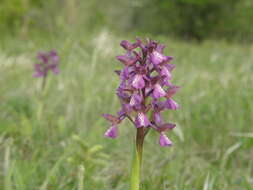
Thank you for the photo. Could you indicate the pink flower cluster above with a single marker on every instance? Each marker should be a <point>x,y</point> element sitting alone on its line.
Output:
<point>145,89</point>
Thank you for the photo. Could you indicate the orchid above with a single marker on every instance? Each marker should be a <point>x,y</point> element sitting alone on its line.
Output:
<point>46,61</point>
<point>145,91</point>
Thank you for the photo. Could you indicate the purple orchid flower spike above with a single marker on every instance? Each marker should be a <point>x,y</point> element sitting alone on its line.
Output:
<point>145,91</point>
<point>145,81</point>
<point>46,61</point>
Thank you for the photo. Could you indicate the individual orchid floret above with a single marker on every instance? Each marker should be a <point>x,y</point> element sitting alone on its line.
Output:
<point>138,81</point>
<point>157,58</point>
<point>171,104</point>
<point>158,91</point>
<point>112,132</point>
<point>46,61</point>
<point>127,59</point>
<point>129,46</point>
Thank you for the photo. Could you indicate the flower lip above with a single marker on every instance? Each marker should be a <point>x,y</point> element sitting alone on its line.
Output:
<point>158,91</point>
<point>136,99</point>
<point>171,104</point>
<point>164,140</point>
<point>138,82</point>
<point>142,120</point>
<point>112,132</point>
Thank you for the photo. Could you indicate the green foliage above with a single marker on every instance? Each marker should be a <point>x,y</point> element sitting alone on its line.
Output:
<point>14,12</point>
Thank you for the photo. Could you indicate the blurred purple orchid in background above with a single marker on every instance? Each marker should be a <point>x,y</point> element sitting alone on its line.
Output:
<point>46,61</point>
<point>145,89</point>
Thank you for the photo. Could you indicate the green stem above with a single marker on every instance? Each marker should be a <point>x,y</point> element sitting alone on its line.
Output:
<point>43,84</point>
<point>137,159</point>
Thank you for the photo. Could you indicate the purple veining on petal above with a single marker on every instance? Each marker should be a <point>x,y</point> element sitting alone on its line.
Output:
<point>138,82</point>
<point>141,120</point>
<point>135,100</point>
<point>158,91</point>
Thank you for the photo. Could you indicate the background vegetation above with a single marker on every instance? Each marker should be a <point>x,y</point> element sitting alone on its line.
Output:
<point>54,140</point>
<point>188,19</point>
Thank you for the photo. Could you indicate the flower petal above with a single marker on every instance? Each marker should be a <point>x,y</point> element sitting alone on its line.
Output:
<point>43,57</point>
<point>158,91</point>
<point>170,66</point>
<point>135,100</point>
<point>54,56</point>
<point>112,132</point>
<point>111,118</point>
<point>166,126</point>
<point>55,70</point>
<point>166,73</point>
<point>127,59</point>
<point>142,120</point>
<point>160,48</point>
<point>172,90</point>
<point>171,104</point>
<point>157,58</point>
<point>138,82</point>
<point>129,46</point>
<point>164,140</point>
<point>124,74</point>
<point>157,118</point>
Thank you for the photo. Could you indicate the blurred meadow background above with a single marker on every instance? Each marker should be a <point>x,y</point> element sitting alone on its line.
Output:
<point>54,140</point>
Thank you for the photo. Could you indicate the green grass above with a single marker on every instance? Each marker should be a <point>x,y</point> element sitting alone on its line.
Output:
<point>48,140</point>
